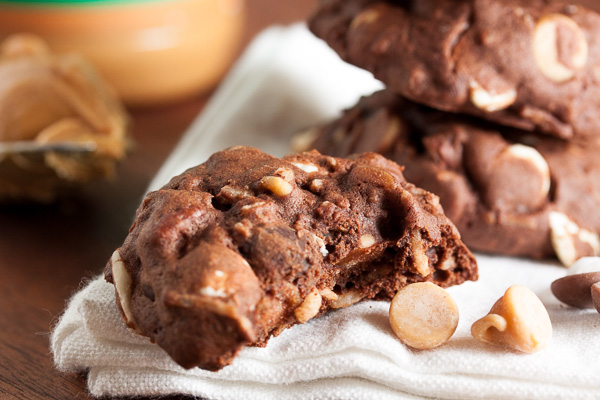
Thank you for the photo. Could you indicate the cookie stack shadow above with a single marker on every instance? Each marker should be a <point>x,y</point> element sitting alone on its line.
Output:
<point>492,105</point>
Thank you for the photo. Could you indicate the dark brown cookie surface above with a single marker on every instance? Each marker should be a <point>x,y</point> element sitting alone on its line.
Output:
<point>533,65</point>
<point>245,245</point>
<point>508,191</point>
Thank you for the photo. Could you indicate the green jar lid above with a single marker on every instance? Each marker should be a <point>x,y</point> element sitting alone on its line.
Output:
<point>69,3</point>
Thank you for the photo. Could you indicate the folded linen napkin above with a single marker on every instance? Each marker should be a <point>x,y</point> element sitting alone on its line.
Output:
<point>351,353</point>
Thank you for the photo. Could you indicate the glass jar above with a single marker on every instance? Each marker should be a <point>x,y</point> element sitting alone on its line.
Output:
<point>152,52</point>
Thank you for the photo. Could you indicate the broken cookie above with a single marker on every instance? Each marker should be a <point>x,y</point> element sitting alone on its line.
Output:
<point>241,247</point>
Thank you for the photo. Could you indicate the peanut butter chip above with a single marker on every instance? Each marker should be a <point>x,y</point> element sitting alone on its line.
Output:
<point>423,315</point>
<point>518,320</point>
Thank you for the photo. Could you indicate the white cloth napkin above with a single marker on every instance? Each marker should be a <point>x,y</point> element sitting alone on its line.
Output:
<point>288,80</point>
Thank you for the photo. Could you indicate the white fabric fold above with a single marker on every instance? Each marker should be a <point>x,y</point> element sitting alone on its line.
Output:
<point>288,80</point>
<point>347,354</point>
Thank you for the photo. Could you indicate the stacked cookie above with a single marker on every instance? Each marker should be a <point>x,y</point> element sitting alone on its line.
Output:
<point>489,104</point>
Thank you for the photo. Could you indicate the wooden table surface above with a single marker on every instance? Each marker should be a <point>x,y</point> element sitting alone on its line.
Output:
<point>46,251</point>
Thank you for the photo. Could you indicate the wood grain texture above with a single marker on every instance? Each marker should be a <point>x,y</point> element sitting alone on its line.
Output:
<point>47,251</point>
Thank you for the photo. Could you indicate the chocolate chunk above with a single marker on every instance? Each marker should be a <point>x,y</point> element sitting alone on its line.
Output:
<point>596,296</point>
<point>532,65</point>
<point>574,290</point>
<point>508,191</point>
<point>246,245</point>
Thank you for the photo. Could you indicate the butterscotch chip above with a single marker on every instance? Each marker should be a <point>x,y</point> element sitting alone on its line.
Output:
<point>517,320</point>
<point>221,258</point>
<point>423,315</point>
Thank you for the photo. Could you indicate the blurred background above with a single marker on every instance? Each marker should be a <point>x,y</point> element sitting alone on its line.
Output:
<point>163,59</point>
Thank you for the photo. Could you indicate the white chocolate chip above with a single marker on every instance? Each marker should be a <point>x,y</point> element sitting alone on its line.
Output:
<point>535,158</point>
<point>546,48</point>
<point>122,282</point>
<point>585,265</point>
<point>491,101</point>
<point>306,167</point>
<point>366,240</point>
<point>309,307</point>
<point>564,232</point>
<point>276,185</point>
<point>219,273</point>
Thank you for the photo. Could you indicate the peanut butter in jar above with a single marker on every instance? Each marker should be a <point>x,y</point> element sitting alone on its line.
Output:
<point>151,51</point>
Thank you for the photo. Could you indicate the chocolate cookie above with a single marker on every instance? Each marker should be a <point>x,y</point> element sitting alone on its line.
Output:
<point>508,191</point>
<point>245,245</point>
<point>533,65</point>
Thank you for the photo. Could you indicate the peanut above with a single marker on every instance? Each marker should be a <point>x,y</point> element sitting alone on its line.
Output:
<point>122,282</point>
<point>309,307</point>
<point>278,186</point>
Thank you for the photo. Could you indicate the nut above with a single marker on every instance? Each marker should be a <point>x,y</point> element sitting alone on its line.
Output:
<point>366,240</point>
<point>447,264</point>
<point>391,134</point>
<point>517,320</point>
<point>346,299</point>
<point>575,288</point>
<point>419,257</point>
<point>559,47</point>
<point>122,282</point>
<point>328,294</point>
<point>365,17</point>
<point>491,100</point>
<point>316,185</point>
<point>286,173</point>
<point>423,315</point>
<point>565,235</point>
<point>233,193</point>
<point>309,307</point>
<point>278,186</point>
<point>306,167</point>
